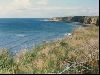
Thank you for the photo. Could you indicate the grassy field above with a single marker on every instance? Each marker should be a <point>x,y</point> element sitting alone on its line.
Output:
<point>76,54</point>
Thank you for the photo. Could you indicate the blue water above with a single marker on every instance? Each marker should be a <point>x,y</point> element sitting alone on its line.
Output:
<point>16,34</point>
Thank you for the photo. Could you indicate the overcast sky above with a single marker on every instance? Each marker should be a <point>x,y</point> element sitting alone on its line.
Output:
<point>48,8</point>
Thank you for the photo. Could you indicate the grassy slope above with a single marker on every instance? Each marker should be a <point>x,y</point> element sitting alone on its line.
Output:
<point>77,54</point>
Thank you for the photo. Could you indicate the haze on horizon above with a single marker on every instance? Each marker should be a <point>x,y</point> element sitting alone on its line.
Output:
<point>48,8</point>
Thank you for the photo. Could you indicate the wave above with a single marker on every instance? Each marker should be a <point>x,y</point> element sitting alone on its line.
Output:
<point>20,35</point>
<point>68,34</point>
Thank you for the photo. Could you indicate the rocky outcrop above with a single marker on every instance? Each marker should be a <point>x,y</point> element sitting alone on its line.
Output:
<point>78,19</point>
<point>82,19</point>
<point>65,19</point>
<point>91,20</point>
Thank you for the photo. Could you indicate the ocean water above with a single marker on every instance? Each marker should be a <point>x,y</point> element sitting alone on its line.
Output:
<point>17,34</point>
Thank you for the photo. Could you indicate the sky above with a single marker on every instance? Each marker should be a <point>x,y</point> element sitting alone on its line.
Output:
<point>48,8</point>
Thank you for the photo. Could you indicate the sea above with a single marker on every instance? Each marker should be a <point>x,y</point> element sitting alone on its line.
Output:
<point>24,33</point>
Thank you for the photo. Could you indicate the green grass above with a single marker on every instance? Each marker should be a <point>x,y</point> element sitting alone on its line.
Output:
<point>78,54</point>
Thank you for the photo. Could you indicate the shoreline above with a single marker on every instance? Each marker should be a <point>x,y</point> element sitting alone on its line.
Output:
<point>65,35</point>
<point>69,35</point>
<point>58,56</point>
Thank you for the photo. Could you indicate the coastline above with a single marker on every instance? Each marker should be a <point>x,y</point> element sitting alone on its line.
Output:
<point>81,19</point>
<point>49,37</point>
<point>55,56</point>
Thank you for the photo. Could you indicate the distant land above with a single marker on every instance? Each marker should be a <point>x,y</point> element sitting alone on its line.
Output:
<point>82,19</point>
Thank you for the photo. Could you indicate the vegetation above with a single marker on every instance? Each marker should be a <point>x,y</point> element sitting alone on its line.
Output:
<point>76,54</point>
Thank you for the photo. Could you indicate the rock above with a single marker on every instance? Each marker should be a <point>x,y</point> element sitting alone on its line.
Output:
<point>91,20</point>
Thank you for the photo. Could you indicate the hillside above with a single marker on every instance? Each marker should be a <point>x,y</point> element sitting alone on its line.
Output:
<point>76,54</point>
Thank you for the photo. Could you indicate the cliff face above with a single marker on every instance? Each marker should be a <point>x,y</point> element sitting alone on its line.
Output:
<point>65,19</point>
<point>78,19</point>
<point>81,19</point>
<point>91,20</point>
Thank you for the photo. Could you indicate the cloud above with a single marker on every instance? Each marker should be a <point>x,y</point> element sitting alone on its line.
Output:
<point>42,2</point>
<point>41,8</point>
<point>11,7</point>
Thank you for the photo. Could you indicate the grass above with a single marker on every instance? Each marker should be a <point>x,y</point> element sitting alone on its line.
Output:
<point>76,54</point>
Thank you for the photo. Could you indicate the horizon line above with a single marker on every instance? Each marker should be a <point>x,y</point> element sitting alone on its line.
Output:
<point>42,17</point>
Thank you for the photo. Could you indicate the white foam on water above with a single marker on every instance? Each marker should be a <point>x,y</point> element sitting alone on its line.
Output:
<point>20,35</point>
<point>68,34</point>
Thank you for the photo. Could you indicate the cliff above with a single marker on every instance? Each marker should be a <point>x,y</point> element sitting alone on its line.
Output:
<point>91,20</point>
<point>81,19</point>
